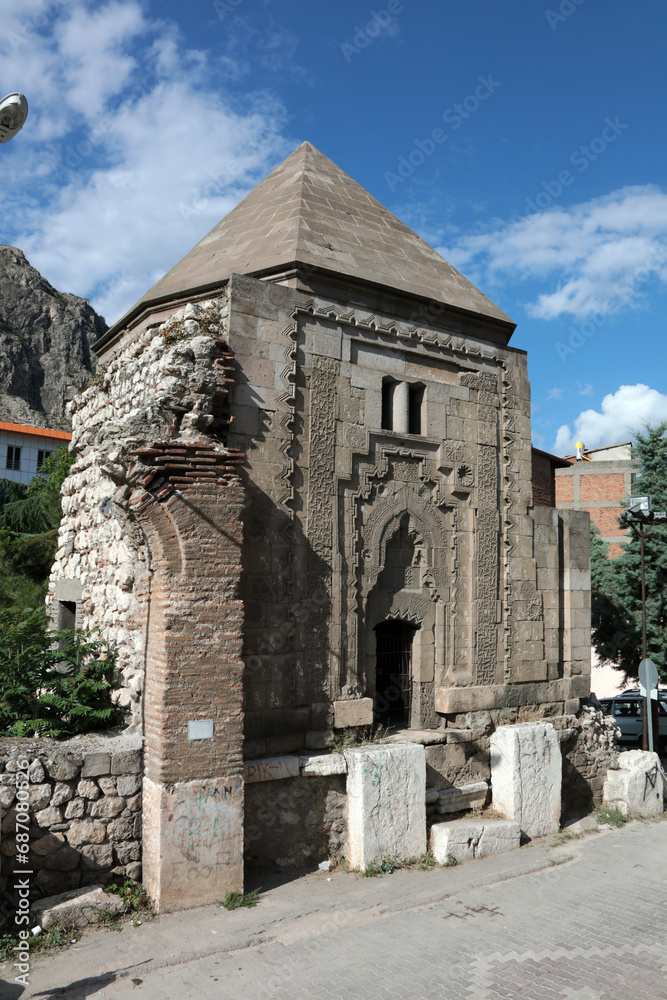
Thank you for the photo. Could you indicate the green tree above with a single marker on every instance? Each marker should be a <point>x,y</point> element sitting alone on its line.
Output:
<point>616,605</point>
<point>29,519</point>
<point>52,683</point>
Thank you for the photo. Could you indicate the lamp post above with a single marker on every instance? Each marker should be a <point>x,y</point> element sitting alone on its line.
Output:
<point>13,113</point>
<point>642,517</point>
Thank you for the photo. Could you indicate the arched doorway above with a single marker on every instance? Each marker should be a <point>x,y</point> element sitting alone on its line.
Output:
<point>393,673</point>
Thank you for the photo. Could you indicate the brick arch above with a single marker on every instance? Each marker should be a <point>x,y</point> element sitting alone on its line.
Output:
<point>189,511</point>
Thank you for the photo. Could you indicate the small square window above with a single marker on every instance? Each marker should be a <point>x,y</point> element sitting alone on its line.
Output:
<point>13,458</point>
<point>42,457</point>
<point>67,615</point>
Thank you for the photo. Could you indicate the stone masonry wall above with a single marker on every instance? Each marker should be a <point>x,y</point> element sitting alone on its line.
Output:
<point>84,802</point>
<point>162,386</point>
<point>294,822</point>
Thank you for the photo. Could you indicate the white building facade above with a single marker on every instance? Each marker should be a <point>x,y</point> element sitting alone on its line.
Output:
<point>24,449</point>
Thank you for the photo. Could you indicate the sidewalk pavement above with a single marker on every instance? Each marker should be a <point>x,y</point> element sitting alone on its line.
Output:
<point>579,920</point>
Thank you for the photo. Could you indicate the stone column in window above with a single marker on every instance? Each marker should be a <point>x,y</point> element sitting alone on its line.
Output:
<point>401,421</point>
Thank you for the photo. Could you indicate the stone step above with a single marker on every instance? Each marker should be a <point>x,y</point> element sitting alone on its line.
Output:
<point>79,907</point>
<point>464,839</point>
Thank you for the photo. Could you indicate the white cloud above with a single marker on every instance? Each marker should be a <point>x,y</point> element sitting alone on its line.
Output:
<point>621,415</point>
<point>130,154</point>
<point>555,393</point>
<point>585,390</point>
<point>596,255</point>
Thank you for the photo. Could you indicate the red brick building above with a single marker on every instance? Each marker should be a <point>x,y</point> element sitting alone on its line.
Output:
<point>544,468</point>
<point>599,484</point>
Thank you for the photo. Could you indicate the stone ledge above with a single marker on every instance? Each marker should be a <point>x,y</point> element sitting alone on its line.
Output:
<point>323,764</point>
<point>78,746</point>
<point>477,698</point>
<point>271,769</point>
<point>293,766</point>
<point>427,737</point>
<point>458,799</point>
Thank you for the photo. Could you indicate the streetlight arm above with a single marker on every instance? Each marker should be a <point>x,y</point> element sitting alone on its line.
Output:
<point>13,113</point>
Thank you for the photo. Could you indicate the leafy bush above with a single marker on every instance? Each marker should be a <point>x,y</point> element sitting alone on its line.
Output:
<point>52,683</point>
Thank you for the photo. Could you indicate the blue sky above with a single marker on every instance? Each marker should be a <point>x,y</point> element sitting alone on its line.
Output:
<point>523,139</point>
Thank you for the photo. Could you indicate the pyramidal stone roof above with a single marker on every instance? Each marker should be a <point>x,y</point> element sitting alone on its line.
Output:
<point>309,212</point>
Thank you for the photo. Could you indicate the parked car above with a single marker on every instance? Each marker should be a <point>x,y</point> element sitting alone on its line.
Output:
<point>626,711</point>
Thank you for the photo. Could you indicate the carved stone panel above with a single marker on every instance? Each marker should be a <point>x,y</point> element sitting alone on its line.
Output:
<point>321,501</point>
<point>487,565</point>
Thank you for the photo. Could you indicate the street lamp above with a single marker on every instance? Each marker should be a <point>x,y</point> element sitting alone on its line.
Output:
<point>13,113</point>
<point>642,517</point>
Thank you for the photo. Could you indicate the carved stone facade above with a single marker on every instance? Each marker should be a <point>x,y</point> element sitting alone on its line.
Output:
<point>347,526</point>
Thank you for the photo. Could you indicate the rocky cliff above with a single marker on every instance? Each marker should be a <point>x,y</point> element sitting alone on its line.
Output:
<point>45,344</point>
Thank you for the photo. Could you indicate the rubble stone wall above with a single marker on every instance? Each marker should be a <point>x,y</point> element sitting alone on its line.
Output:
<point>295,822</point>
<point>588,745</point>
<point>170,382</point>
<point>84,805</point>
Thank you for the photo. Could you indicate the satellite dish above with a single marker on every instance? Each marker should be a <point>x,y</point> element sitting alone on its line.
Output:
<point>13,113</point>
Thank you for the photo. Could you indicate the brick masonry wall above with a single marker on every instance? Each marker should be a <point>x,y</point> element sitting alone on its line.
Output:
<point>190,514</point>
<point>84,802</point>
<point>606,519</point>
<point>543,481</point>
<point>564,489</point>
<point>602,487</point>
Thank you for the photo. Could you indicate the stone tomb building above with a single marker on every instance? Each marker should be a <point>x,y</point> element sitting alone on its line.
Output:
<point>302,502</point>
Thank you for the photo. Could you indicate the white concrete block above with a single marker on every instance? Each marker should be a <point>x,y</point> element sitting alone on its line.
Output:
<point>526,776</point>
<point>386,810</point>
<point>457,840</point>
<point>461,797</point>
<point>636,788</point>
<point>323,764</point>
<point>499,835</point>
<point>464,840</point>
<point>271,769</point>
<point>192,852</point>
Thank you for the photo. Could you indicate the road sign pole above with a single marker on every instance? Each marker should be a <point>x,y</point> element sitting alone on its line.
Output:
<point>648,681</point>
<point>647,735</point>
